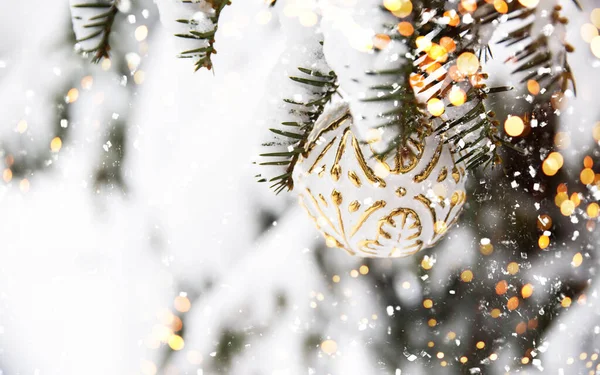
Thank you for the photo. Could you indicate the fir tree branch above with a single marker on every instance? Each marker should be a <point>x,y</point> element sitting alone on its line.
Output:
<point>325,86</point>
<point>98,25</point>
<point>206,37</point>
<point>537,59</point>
<point>472,131</point>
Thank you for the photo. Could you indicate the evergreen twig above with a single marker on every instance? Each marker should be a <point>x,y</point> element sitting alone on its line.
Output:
<point>206,39</point>
<point>99,25</point>
<point>297,137</point>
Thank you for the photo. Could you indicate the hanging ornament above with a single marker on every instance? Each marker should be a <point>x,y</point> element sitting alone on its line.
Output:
<point>374,208</point>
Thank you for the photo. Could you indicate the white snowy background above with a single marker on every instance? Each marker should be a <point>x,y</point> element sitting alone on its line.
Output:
<point>86,272</point>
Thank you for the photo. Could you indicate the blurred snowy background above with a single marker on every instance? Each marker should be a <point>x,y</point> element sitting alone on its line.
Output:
<point>134,239</point>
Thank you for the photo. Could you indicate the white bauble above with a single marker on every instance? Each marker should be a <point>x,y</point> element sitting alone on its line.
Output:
<point>372,208</point>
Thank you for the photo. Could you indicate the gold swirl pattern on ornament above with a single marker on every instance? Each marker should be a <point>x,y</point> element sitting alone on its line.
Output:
<point>456,173</point>
<point>363,165</point>
<point>427,203</point>
<point>406,158</point>
<point>368,212</point>
<point>432,163</point>
<point>403,166</point>
<point>322,198</point>
<point>321,155</point>
<point>370,246</point>
<point>316,204</point>
<point>336,168</point>
<point>354,206</point>
<point>337,199</point>
<point>443,174</point>
<point>457,198</point>
<point>354,178</point>
<point>334,125</point>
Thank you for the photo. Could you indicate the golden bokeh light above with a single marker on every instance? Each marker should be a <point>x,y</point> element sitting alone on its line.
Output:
<point>398,5</point>
<point>485,247</point>
<point>587,176</point>
<point>567,207</point>
<point>501,6</point>
<point>588,32</point>
<point>501,287</point>
<point>466,276</point>
<point>596,132</point>
<point>7,175</point>
<point>139,77</point>
<point>577,260</point>
<point>423,43</point>
<point>512,303</point>
<point>436,107</point>
<point>427,303</point>
<point>457,96</point>
<point>566,302</point>
<point>427,263</point>
<point>24,185</point>
<point>87,82</point>
<point>593,210</point>
<point>595,17</point>
<point>176,342</point>
<point>467,63</point>
<point>469,5</point>
<point>452,17</point>
<point>72,95</point>
<point>437,53</point>
<point>55,144</point>
<point>406,28</point>
<point>560,198</point>
<point>514,126</point>
<point>533,87</point>
<point>22,126</point>
<point>182,304</point>
<point>329,347</point>
<point>480,345</point>
<point>595,46</point>
<point>381,41</point>
<point>558,158</point>
<point>527,290</point>
<point>550,166</point>
<point>141,32</point>
<point>512,268</point>
<point>363,269</point>
<point>448,43</point>
<point>405,9</point>
<point>543,242</point>
<point>529,3</point>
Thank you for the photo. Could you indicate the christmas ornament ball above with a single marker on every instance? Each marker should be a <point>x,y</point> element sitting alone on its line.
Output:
<point>375,208</point>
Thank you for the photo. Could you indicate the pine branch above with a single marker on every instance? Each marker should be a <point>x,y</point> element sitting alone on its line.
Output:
<point>471,130</point>
<point>202,35</point>
<point>537,59</point>
<point>95,26</point>
<point>407,118</point>
<point>297,136</point>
